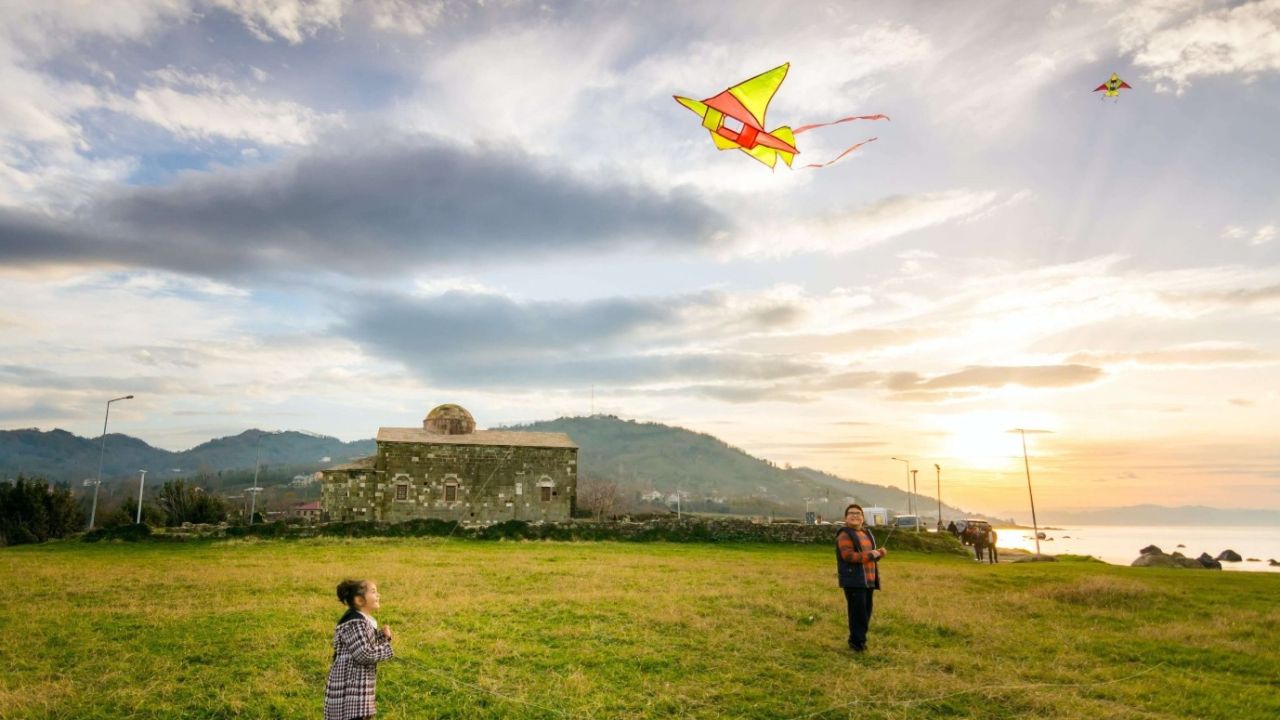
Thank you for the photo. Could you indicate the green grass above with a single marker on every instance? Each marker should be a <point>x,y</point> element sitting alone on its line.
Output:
<point>605,630</point>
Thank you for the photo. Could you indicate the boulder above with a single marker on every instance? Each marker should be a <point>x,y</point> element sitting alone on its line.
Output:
<point>1168,561</point>
<point>1229,556</point>
<point>1181,545</point>
<point>1209,562</point>
<point>1252,560</point>
<point>1273,562</point>
<point>1152,550</point>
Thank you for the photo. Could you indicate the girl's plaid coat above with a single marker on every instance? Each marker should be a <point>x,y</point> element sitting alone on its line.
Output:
<point>357,650</point>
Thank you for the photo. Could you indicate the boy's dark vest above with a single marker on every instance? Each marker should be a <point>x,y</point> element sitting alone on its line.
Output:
<point>852,575</point>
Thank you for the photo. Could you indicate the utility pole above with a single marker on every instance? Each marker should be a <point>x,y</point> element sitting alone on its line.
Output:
<point>142,479</point>
<point>1035,526</point>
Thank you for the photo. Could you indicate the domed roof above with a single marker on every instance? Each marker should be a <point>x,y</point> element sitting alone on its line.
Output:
<point>449,419</point>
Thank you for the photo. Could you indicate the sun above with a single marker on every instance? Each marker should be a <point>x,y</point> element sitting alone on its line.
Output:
<point>981,440</point>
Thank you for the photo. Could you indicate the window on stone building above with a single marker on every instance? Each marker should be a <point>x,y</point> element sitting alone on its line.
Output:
<point>546,493</point>
<point>450,493</point>
<point>402,492</point>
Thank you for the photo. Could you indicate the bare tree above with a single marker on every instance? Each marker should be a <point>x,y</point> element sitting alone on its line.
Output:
<point>599,495</point>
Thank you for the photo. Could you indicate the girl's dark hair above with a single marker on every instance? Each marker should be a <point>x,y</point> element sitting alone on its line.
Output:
<point>349,590</point>
<point>852,506</point>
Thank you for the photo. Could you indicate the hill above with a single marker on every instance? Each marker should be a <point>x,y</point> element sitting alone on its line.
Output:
<point>647,457</point>
<point>641,458</point>
<point>60,456</point>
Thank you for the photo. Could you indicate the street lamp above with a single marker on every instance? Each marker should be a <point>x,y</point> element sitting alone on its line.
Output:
<point>253,503</point>
<point>915,491</point>
<point>938,468</point>
<point>911,503</point>
<point>142,479</point>
<point>93,512</point>
<point>1035,526</point>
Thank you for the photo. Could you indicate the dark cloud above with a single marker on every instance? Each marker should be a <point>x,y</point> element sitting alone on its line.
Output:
<point>461,339</point>
<point>34,377</point>
<point>375,207</point>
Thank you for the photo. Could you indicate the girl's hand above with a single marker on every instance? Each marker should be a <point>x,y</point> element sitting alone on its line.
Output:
<point>883,552</point>
<point>386,632</point>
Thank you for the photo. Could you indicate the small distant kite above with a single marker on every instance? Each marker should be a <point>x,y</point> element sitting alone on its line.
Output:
<point>1113,87</point>
<point>735,119</point>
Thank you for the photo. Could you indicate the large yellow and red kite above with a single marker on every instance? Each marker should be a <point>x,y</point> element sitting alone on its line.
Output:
<point>735,119</point>
<point>1113,86</point>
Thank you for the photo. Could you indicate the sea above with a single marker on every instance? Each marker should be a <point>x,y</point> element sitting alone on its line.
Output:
<point>1119,544</point>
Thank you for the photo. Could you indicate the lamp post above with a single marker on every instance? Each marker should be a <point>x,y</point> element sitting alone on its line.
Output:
<point>253,492</point>
<point>938,468</point>
<point>93,512</point>
<point>910,500</point>
<point>1035,526</point>
<point>915,492</point>
<point>142,479</point>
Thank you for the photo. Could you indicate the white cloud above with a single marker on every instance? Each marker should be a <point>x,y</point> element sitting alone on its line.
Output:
<point>405,17</point>
<point>1242,40</point>
<point>222,112</point>
<point>293,20</point>
<point>869,225</point>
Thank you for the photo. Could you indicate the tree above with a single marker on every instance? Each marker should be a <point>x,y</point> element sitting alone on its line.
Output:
<point>599,495</point>
<point>186,503</point>
<point>32,511</point>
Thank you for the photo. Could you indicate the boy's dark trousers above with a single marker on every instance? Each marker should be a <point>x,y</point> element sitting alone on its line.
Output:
<point>859,601</point>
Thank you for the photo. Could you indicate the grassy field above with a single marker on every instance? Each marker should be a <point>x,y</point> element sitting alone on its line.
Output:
<point>611,630</point>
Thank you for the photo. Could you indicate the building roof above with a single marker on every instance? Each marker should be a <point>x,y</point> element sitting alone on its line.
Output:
<point>364,463</point>
<point>307,506</point>
<point>479,437</point>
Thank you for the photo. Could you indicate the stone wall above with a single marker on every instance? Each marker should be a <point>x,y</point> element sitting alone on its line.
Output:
<point>468,483</point>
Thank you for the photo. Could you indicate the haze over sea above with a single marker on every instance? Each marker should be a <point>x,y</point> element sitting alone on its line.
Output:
<point>1119,544</point>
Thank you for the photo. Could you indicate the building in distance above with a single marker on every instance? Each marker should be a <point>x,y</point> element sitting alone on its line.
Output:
<point>448,470</point>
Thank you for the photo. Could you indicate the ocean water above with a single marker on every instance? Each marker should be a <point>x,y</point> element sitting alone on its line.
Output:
<point>1119,545</point>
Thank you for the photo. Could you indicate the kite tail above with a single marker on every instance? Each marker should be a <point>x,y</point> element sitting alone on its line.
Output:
<point>841,155</point>
<point>806,128</point>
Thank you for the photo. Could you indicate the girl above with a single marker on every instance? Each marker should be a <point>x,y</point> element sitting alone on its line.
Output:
<point>358,647</point>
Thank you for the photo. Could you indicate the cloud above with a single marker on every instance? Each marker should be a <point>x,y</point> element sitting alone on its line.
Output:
<point>1196,355</point>
<point>1035,376</point>
<point>872,224</point>
<point>1240,40</point>
<point>460,339</point>
<point>382,207</point>
<point>196,106</point>
<point>292,20</point>
<point>1239,297</point>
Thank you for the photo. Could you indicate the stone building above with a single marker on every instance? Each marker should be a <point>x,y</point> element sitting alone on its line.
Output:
<point>450,471</point>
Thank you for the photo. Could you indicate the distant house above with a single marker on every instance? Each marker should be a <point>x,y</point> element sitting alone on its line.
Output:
<point>302,480</point>
<point>652,496</point>
<point>309,511</point>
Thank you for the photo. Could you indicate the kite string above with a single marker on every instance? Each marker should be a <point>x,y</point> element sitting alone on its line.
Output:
<point>943,696</point>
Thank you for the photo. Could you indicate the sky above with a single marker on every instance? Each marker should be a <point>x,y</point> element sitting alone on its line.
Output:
<point>332,216</point>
